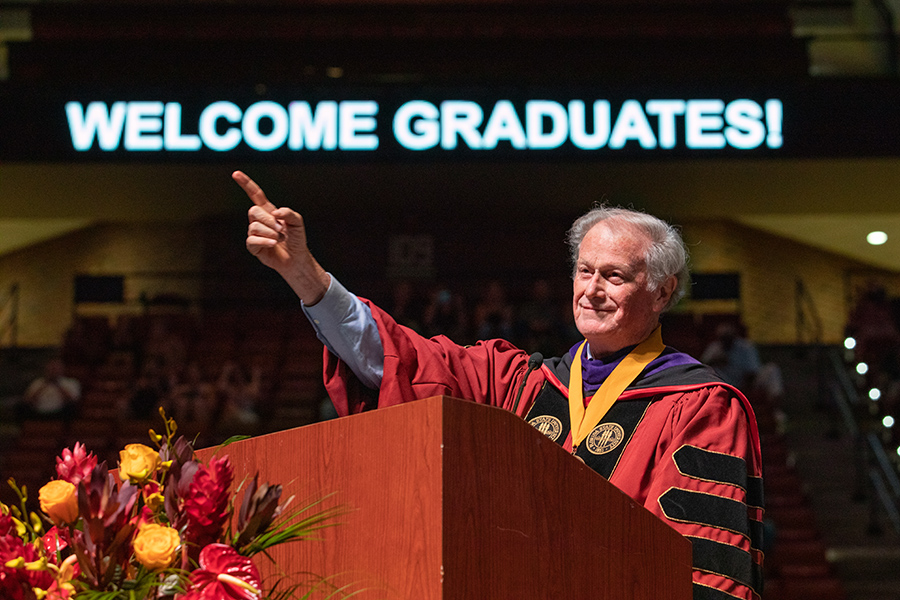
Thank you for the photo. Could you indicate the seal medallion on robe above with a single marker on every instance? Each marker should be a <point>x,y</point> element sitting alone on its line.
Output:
<point>548,425</point>
<point>605,438</point>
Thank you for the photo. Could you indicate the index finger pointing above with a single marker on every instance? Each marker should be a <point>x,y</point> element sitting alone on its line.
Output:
<point>253,191</point>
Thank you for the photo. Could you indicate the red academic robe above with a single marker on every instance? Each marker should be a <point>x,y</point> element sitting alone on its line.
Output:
<point>690,454</point>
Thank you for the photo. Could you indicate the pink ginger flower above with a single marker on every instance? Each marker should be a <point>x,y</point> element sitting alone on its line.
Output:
<point>224,575</point>
<point>75,465</point>
<point>207,502</point>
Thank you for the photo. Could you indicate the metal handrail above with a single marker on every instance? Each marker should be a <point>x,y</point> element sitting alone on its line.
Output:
<point>807,314</point>
<point>884,464</point>
<point>845,394</point>
<point>882,485</point>
<point>10,324</point>
<point>887,501</point>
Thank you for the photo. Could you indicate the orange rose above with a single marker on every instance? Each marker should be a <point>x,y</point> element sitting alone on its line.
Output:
<point>59,501</point>
<point>137,462</point>
<point>155,546</point>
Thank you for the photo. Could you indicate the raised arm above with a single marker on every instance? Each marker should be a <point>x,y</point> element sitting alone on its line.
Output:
<point>277,237</point>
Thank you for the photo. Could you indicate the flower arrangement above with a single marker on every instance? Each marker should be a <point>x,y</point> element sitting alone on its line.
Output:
<point>166,531</point>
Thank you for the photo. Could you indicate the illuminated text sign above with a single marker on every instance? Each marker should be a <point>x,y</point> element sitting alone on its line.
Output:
<point>420,125</point>
<point>428,122</point>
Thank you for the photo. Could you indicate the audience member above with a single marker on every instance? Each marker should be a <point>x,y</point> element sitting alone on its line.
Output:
<point>540,323</point>
<point>126,339</point>
<point>240,391</point>
<point>407,305</point>
<point>871,323</point>
<point>494,313</point>
<point>445,314</point>
<point>165,347</point>
<point>52,395</point>
<point>150,391</point>
<point>192,399</point>
<point>734,357</point>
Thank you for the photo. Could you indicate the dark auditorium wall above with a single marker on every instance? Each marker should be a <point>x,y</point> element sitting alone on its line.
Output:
<point>770,267</point>
<point>205,262</point>
<point>151,253</point>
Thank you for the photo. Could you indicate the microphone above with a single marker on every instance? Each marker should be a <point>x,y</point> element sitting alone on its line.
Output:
<point>534,361</point>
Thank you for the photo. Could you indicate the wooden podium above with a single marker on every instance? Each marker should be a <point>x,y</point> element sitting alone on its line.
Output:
<point>453,500</point>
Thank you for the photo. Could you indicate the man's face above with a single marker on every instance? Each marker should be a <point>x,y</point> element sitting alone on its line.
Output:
<point>612,306</point>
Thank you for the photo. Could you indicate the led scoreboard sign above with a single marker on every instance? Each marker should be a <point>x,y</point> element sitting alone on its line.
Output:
<point>444,123</point>
<point>418,125</point>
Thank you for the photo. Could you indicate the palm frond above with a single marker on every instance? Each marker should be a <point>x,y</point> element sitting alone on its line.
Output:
<point>287,529</point>
<point>317,585</point>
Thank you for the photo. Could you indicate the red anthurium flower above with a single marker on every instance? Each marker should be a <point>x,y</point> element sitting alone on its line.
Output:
<point>53,544</point>
<point>206,503</point>
<point>75,465</point>
<point>224,575</point>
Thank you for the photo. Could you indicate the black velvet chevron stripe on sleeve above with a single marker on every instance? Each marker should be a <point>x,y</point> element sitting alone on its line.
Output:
<point>726,560</point>
<point>706,465</point>
<point>686,506</point>
<point>755,496</point>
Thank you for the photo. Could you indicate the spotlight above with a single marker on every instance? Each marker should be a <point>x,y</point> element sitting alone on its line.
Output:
<point>862,368</point>
<point>875,394</point>
<point>888,421</point>
<point>850,343</point>
<point>876,238</point>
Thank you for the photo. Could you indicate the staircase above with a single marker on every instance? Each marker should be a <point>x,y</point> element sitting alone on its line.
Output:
<point>861,545</point>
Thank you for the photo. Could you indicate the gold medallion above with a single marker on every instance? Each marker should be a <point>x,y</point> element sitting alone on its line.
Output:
<point>606,437</point>
<point>548,425</point>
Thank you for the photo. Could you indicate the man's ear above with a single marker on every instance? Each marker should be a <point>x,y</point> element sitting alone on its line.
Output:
<point>664,292</point>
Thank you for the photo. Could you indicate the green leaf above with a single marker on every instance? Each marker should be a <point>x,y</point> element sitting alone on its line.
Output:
<point>235,438</point>
<point>283,530</point>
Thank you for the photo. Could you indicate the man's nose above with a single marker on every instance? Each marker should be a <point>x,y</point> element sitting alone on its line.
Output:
<point>595,287</point>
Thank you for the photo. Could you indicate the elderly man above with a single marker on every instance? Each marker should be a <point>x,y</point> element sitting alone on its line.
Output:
<point>657,423</point>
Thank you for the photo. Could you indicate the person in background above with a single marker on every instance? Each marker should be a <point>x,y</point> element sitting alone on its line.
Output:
<point>493,313</point>
<point>733,356</point>
<point>873,324</point>
<point>53,395</point>
<point>193,400</point>
<point>540,323</point>
<point>659,425</point>
<point>239,390</point>
<point>151,390</point>
<point>445,314</point>
<point>406,304</point>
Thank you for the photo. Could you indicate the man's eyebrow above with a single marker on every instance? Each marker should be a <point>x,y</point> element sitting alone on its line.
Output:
<point>626,268</point>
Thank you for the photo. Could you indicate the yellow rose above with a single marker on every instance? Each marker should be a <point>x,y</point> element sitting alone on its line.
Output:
<point>137,462</point>
<point>155,546</point>
<point>59,501</point>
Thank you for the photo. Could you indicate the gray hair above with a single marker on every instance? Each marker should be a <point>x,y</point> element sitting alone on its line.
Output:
<point>666,256</point>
